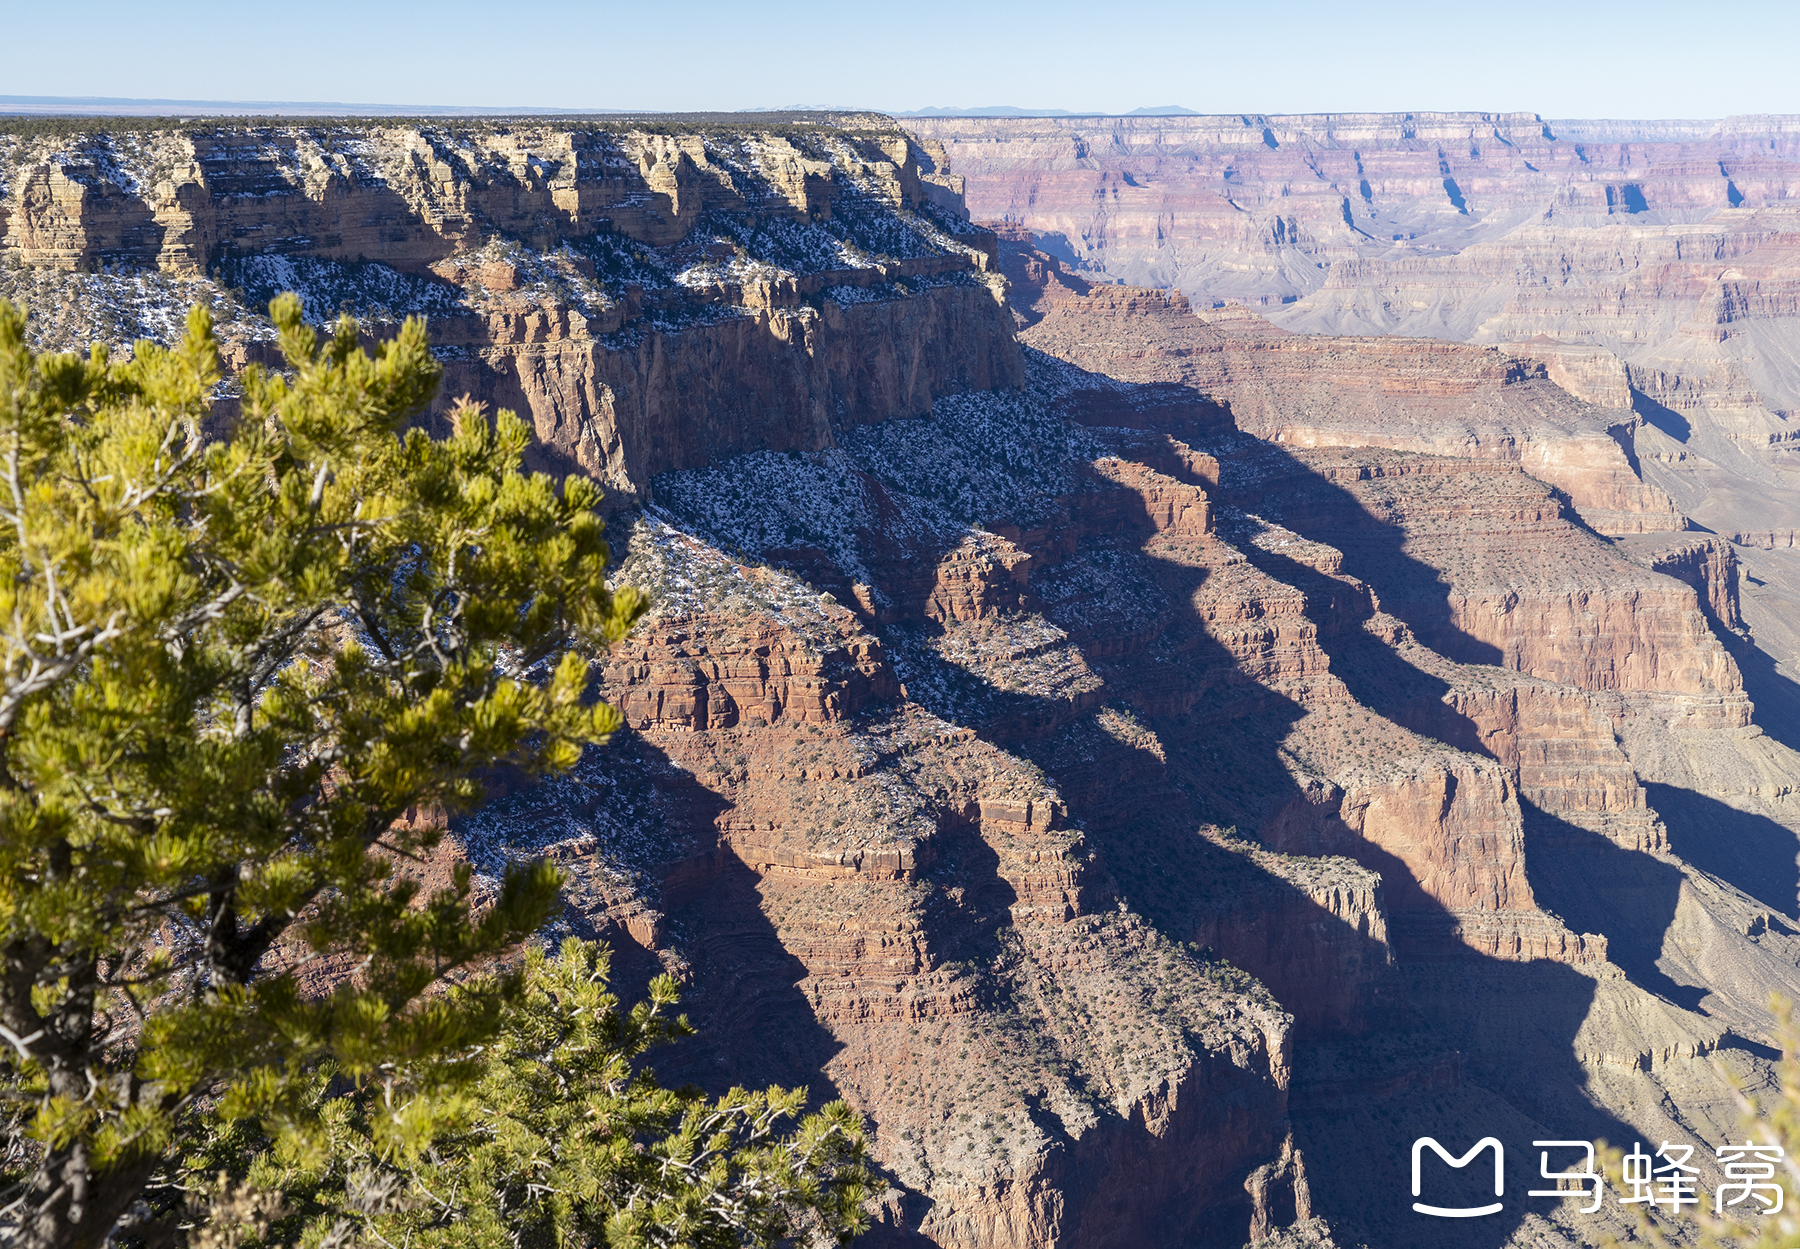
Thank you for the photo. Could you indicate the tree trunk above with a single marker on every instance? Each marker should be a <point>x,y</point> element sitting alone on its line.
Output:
<point>73,1207</point>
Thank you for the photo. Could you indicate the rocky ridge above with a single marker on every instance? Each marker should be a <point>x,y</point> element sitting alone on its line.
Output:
<point>1145,763</point>
<point>1259,209</point>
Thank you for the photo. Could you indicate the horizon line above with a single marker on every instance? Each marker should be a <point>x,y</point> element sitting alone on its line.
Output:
<point>78,106</point>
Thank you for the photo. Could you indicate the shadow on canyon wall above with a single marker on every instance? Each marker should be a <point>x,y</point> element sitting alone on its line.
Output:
<point>1661,417</point>
<point>1512,1023</point>
<point>1742,848</point>
<point>741,988</point>
<point>1777,696</point>
<point>1451,1044</point>
<point>1597,886</point>
<point>756,1025</point>
<point>1446,1043</point>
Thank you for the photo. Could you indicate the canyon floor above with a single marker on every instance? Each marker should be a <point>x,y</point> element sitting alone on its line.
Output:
<point>1156,764</point>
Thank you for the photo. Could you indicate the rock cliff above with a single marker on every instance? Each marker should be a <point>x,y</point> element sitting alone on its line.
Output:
<point>1311,391</point>
<point>1260,209</point>
<point>649,301</point>
<point>1648,269</point>
<point>1152,763</point>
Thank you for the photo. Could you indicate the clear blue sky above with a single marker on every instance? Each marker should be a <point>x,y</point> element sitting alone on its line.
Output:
<point>1561,58</point>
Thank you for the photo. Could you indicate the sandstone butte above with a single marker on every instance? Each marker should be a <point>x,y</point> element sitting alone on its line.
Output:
<point>1153,763</point>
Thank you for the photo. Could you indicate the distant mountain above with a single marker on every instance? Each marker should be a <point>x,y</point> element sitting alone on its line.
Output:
<point>123,106</point>
<point>1008,110</point>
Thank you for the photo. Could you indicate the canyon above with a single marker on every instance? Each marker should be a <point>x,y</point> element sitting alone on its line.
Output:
<point>1647,267</point>
<point>1151,717</point>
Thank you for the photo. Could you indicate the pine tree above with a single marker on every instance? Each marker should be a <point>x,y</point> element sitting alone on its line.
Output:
<point>228,667</point>
<point>565,1138</point>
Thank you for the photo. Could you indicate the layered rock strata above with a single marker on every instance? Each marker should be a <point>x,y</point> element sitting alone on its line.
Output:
<point>1261,208</point>
<point>1144,769</point>
<point>1307,391</point>
<point>1254,626</point>
<point>649,301</point>
<point>1649,267</point>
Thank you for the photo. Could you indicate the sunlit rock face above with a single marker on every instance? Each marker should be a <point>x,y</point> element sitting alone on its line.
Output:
<point>1154,763</point>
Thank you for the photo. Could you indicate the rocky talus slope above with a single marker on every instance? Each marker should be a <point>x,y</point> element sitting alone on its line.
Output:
<point>1153,764</point>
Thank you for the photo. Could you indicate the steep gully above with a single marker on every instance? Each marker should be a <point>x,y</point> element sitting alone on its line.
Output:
<point>1193,648</point>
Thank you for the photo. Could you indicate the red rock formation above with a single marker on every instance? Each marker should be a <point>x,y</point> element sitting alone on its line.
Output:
<point>1650,266</point>
<point>952,839</point>
<point>1707,564</point>
<point>738,353</point>
<point>1562,749</point>
<point>1525,587</point>
<point>705,672</point>
<point>1305,391</point>
<point>938,900</point>
<point>624,411</point>
<point>409,197</point>
<point>880,926</point>
<point>1768,541</point>
<point>1320,943</point>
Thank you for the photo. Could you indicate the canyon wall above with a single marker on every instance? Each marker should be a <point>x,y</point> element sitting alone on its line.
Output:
<point>1259,209</point>
<point>1313,391</point>
<point>649,301</point>
<point>641,401</point>
<point>1648,268</point>
<point>1153,764</point>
